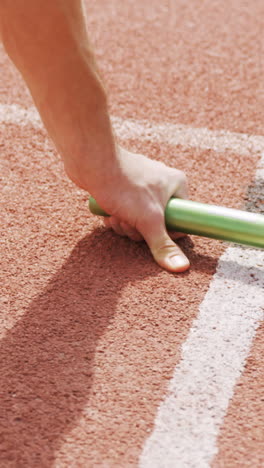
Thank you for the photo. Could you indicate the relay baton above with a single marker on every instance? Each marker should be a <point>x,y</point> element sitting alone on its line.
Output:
<point>214,221</point>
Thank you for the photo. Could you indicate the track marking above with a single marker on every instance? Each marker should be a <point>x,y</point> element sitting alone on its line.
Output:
<point>219,141</point>
<point>172,134</point>
<point>14,114</point>
<point>213,358</point>
<point>214,354</point>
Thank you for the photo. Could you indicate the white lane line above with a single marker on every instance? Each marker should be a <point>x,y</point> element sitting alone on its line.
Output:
<point>213,358</point>
<point>14,114</point>
<point>214,354</point>
<point>189,137</point>
<point>172,134</point>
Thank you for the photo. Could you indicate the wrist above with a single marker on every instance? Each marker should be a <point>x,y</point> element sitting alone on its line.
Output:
<point>96,166</point>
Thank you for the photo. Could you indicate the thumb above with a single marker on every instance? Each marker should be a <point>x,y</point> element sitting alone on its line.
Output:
<point>166,253</point>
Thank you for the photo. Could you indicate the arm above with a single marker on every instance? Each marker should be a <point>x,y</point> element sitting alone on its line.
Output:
<point>48,42</point>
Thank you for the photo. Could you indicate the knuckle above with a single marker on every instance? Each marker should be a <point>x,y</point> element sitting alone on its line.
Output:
<point>164,246</point>
<point>179,184</point>
<point>166,249</point>
<point>153,216</point>
<point>182,177</point>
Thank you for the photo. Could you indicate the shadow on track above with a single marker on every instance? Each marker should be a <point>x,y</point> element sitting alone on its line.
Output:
<point>47,357</point>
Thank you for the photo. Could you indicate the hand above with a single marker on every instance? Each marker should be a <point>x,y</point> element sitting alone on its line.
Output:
<point>72,102</point>
<point>136,196</point>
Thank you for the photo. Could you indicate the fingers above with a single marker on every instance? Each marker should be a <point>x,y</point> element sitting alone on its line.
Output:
<point>113,223</point>
<point>170,256</point>
<point>131,232</point>
<point>125,230</point>
<point>122,229</point>
<point>166,253</point>
<point>180,183</point>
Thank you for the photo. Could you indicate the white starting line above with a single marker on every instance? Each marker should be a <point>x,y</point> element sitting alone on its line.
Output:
<point>172,134</point>
<point>214,354</point>
<point>213,357</point>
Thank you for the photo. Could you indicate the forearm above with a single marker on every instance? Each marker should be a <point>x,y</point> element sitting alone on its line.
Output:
<point>48,42</point>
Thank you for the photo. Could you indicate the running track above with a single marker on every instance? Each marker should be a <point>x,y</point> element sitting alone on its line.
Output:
<point>106,360</point>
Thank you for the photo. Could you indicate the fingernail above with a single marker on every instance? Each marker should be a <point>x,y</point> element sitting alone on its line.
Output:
<point>178,262</point>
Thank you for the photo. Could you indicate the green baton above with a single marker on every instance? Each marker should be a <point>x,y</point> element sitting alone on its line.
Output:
<point>205,220</point>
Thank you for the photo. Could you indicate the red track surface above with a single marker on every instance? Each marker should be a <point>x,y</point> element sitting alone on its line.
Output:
<point>91,328</point>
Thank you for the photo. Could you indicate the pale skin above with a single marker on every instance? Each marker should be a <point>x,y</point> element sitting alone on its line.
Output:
<point>48,42</point>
